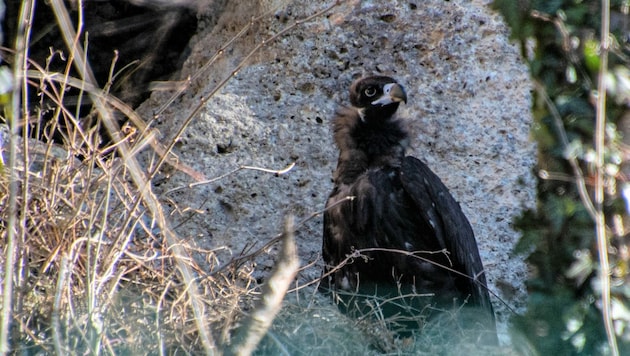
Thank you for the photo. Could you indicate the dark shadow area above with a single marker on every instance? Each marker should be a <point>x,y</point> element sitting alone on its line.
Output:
<point>149,41</point>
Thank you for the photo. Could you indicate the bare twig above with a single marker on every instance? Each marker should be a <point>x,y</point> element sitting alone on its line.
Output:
<point>26,181</point>
<point>266,170</point>
<point>414,254</point>
<point>14,229</point>
<point>56,310</point>
<point>240,259</point>
<point>567,45</point>
<point>580,181</point>
<point>600,222</point>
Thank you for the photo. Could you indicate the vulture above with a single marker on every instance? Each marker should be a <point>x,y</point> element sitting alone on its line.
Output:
<point>392,231</point>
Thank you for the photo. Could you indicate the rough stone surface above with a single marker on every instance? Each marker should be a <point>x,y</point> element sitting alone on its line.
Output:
<point>469,100</point>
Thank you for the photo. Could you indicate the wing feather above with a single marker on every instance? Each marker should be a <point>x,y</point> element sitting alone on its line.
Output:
<point>454,232</point>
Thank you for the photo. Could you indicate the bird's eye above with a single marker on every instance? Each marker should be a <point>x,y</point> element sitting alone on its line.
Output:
<point>370,92</point>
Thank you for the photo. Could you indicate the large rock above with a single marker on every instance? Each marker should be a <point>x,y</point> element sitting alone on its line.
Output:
<point>469,101</point>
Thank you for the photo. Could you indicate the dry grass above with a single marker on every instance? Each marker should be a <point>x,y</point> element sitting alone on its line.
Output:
<point>93,269</point>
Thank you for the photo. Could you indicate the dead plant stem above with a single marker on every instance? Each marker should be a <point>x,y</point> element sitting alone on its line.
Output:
<point>14,230</point>
<point>22,260</point>
<point>56,310</point>
<point>600,147</point>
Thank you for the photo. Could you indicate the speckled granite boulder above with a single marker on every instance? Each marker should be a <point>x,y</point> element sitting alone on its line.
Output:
<point>469,100</point>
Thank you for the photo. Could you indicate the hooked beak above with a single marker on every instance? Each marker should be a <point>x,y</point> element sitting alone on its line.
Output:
<point>392,93</point>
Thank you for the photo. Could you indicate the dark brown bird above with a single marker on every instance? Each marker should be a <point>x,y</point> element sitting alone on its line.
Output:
<point>406,231</point>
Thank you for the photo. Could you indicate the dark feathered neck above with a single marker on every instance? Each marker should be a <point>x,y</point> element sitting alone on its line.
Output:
<point>367,142</point>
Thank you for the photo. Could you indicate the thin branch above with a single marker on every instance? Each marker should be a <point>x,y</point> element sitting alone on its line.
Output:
<point>13,227</point>
<point>580,181</point>
<point>600,147</point>
<point>62,276</point>
<point>414,254</point>
<point>266,170</point>
<point>567,45</point>
<point>26,159</point>
<point>236,261</point>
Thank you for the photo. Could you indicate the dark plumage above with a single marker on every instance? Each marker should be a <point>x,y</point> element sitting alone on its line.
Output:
<point>399,204</point>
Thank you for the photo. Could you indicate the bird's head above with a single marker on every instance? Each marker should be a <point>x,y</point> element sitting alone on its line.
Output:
<point>377,97</point>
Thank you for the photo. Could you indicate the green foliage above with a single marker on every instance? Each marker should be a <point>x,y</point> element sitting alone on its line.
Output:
<point>560,41</point>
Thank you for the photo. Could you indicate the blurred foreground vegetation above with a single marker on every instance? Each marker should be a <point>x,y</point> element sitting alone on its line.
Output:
<point>560,41</point>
